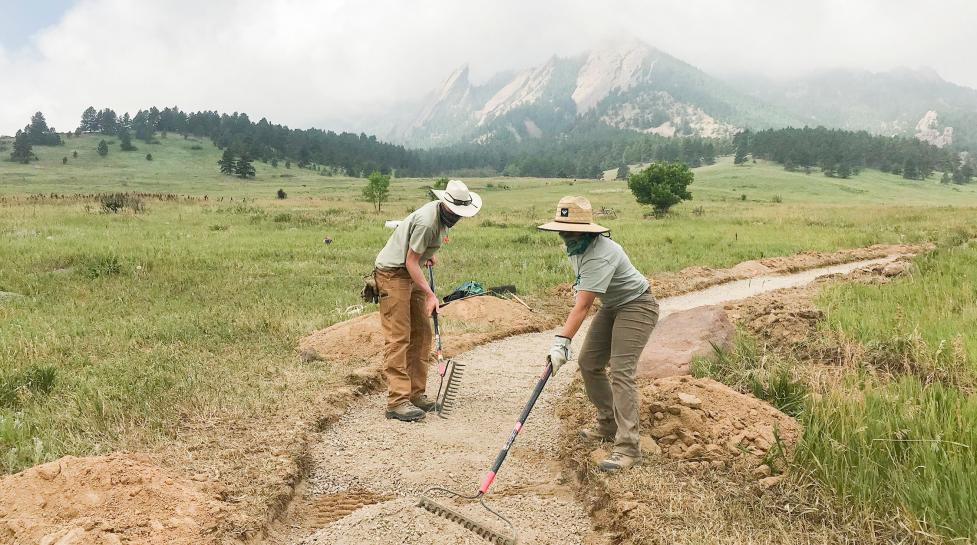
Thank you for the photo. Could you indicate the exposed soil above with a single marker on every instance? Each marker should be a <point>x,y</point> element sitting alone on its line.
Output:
<point>109,500</point>
<point>361,489</point>
<point>707,425</point>
<point>465,324</point>
<point>697,278</point>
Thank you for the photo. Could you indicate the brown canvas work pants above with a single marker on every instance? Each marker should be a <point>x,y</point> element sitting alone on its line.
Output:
<point>407,335</point>
<point>608,361</point>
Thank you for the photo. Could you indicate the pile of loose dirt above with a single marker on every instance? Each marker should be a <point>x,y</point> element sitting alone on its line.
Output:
<point>465,324</point>
<point>107,500</point>
<point>704,423</point>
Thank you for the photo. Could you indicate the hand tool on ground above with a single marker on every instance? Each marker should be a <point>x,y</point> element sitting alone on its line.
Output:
<point>427,501</point>
<point>447,395</point>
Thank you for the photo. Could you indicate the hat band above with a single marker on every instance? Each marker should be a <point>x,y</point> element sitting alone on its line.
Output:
<point>457,202</point>
<point>568,220</point>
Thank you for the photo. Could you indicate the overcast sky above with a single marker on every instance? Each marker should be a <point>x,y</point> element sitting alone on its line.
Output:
<point>317,63</point>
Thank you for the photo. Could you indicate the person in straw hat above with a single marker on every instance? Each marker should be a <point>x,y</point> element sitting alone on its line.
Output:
<point>618,332</point>
<point>407,301</point>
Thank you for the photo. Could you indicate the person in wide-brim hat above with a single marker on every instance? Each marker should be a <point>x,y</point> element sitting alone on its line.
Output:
<point>407,301</point>
<point>617,335</point>
<point>457,198</point>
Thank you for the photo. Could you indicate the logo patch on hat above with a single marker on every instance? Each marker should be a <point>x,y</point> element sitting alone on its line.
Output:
<point>564,212</point>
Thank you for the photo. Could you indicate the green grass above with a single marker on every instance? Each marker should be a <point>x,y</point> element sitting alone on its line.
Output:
<point>903,449</point>
<point>924,323</point>
<point>195,305</point>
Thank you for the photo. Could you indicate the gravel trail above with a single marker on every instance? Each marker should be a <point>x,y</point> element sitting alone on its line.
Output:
<point>389,459</point>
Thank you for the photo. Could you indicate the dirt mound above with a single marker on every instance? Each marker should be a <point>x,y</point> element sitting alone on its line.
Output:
<point>706,424</point>
<point>464,325</point>
<point>112,499</point>
<point>682,336</point>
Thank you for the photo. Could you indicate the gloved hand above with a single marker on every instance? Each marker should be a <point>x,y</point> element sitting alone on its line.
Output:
<point>560,353</point>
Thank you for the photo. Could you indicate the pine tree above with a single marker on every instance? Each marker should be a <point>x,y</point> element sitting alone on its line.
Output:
<point>64,160</point>
<point>844,170</point>
<point>40,134</point>
<point>227,162</point>
<point>243,167</point>
<point>89,120</point>
<point>125,141</point>
<point>909,170</point>
<point>946,178</point>
<point>103,148</point>
<point>108,121</point>
<point>23,152</point>
<point>622,172</point>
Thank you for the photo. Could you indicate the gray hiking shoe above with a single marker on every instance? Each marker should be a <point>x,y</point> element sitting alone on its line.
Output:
<point>423,403</point>
<point>595,435</point>
<point>617,462</point>
<point>405,412</point>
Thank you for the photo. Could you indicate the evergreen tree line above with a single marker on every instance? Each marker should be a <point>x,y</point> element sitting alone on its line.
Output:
<point>840,153</point>
<point>584,152</point>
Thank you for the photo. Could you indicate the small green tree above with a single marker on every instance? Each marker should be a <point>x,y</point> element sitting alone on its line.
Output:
<point>662,185</point>
<point>909,170</point>
<point>103,148</point>
<point>227,162</point>
<point>149,156</point>
<point>23,150</point>
<point>64,160</point>
<point>125,140</point>
<point>377,189</point>
<point>243,167</point>
<point>74,154</point>
<point>622,172</point>
<point>281,194</point>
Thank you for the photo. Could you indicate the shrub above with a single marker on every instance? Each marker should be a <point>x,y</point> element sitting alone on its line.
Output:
<point>281,194</point>
<point>102,265</point>
<point>115,202</point>
<point>777,199</point>
<point>149,156</point>
<point>662,185</point>
<point>743,197</point>
<point>196,147</point>
<point>23,385</point>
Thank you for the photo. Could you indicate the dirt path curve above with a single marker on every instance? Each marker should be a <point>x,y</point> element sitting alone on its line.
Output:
<point>368,471</point>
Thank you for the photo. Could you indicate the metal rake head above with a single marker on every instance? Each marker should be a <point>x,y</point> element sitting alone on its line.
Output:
<point>467,522</point>
<point>449,396</point>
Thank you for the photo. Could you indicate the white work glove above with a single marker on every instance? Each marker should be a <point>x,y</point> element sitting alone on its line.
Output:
<point>560,353</point>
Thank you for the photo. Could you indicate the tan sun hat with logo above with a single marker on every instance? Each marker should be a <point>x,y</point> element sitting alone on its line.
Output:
<point>574,215</point>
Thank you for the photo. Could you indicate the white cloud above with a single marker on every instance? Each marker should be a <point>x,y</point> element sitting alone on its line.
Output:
<point>306,62</point>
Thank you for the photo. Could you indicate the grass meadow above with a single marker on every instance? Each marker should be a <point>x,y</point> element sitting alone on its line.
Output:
<point>123,325</point>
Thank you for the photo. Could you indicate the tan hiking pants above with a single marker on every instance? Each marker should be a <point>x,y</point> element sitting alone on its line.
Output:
<point>407,335</point>
<point>611,349</point>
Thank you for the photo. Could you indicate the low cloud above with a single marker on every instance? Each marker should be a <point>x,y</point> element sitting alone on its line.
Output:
<point>310,63</point>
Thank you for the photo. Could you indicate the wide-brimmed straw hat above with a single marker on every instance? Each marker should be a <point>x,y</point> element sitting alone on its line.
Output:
<point>574,215</point>
<point>459,199</point>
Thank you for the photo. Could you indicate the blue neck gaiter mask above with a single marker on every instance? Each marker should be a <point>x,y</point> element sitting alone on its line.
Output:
<point>579,243</point>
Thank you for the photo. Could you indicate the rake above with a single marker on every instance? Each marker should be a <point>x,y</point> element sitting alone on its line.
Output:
<point>493,536</point>
<point>447,395</point>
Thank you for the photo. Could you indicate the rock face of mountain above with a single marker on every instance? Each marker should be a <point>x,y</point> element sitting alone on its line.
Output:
<point>626,85</point>
<point>898,102</point>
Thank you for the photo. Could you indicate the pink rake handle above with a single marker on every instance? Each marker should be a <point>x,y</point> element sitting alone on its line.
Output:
<point>490,476</point>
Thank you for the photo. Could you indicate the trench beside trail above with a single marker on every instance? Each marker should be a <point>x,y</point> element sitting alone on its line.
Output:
<point>367,472</point>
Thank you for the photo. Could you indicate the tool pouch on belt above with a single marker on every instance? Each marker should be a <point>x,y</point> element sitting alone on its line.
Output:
<point>370,293</point>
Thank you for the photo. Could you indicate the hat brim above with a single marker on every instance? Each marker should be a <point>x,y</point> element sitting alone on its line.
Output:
<point>567,227</point>
<point>465,211</point>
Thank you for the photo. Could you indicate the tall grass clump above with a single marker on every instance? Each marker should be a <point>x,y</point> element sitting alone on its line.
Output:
<point>748,368</point>
<point>906,448</point>
<point>924,323</point>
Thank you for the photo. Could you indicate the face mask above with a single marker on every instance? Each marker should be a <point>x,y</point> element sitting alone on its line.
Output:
<point>577,243</point>
<point>448,218</point>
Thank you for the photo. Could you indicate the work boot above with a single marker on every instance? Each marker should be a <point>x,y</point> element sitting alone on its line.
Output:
<point>617,461</point>
<point>423,403</point>
<point>595,435</point>
<point>405,412</point>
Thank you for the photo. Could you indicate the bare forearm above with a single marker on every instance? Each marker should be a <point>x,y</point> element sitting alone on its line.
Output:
<point>573,322</point>
<point>417,275</point>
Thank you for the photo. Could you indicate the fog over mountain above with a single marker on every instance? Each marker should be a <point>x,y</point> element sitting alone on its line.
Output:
<point>627,84</point>
<point>342,64</point>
